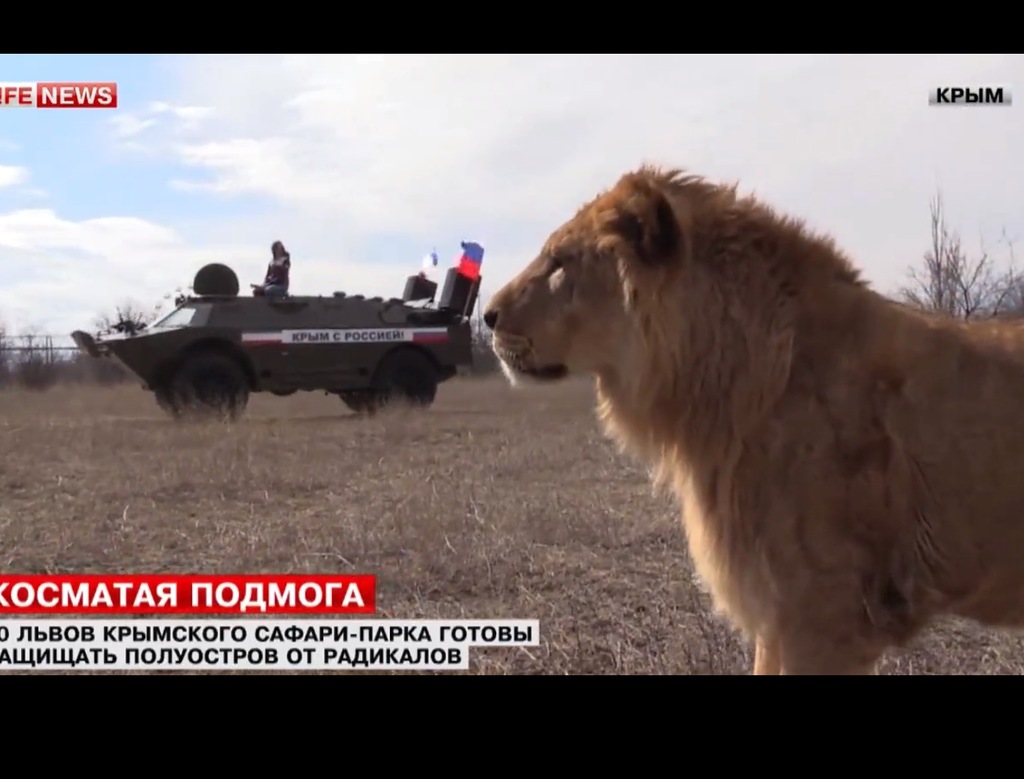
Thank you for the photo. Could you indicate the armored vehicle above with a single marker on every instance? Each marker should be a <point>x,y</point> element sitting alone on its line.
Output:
<point>216,347</point>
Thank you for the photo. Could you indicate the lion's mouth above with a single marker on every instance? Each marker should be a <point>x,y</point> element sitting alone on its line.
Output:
<point>518,364</point>
<point>545,373</point>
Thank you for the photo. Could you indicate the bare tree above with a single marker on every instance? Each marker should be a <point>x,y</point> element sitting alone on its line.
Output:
<point>484,359</point>
<point>1013,304</point>
<point>952,283</point>
<point>5,356</point>
<point>38,363</point>
<point>129,316</point>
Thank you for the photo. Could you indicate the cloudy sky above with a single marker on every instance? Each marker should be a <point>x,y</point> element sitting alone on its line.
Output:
<point>363,164</point>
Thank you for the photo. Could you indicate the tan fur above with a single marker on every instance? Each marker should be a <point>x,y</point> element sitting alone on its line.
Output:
<point>848,469</point>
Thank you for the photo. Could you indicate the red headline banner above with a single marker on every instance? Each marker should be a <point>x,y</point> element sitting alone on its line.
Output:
<point>190,594</point>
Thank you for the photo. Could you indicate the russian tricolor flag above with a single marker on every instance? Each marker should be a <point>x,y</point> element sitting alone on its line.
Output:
<point>471,260</point>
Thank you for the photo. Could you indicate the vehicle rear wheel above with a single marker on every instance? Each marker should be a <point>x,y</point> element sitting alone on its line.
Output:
<point>209,386</point>
<point>407,376</point>
<point>363,401</point>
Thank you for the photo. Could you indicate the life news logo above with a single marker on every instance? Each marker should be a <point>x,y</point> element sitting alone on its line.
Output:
<point>58,94</point>
<point>970,96</point>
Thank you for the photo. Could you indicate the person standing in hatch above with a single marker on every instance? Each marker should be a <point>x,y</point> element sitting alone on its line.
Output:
<point>275,284</point>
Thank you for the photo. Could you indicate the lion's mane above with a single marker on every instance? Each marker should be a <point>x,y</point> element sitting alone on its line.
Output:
<point>849,469</point>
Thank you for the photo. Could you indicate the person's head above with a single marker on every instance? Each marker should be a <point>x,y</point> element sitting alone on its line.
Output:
<point>278,252</point>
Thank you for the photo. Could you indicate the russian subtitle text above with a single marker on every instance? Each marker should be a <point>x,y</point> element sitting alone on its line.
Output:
<point>149,594</point>
<point>253,644</point>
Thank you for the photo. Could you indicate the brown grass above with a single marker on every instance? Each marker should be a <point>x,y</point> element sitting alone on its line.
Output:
<point>492,504</point>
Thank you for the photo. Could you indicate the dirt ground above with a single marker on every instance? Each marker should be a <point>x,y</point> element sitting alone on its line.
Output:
<point>491,504</point>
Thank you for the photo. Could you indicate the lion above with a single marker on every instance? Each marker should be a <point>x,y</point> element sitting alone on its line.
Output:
<point>849,470</point>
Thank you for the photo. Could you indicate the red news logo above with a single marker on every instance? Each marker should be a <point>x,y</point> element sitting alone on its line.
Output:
<point>76,94</point>
<point>59,94</point>
<point>17,95</point>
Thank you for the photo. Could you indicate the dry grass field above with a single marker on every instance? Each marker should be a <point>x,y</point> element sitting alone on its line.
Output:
<point>491,504</point>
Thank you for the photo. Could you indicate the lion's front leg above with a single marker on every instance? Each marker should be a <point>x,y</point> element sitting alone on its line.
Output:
<point>816,651</point>
<point>767,657</point>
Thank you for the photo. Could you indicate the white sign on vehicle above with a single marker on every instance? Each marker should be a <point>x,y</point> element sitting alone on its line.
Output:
<point>349,336</point>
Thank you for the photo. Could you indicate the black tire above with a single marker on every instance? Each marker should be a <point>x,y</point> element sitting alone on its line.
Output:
<point>209,386</point>
<point>363,401</point>
<point>407,376</point>
<point>165,399</point>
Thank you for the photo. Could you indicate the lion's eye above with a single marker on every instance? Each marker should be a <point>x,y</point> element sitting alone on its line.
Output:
<point>555,265</point>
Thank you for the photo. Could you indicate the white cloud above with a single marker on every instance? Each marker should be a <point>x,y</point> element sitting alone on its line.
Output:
<point>133,131</point>
<point>65,273</point>
<point>127,125</point>
<point>12,175</point>
<point>68,272</point>
<point>188,116</point>
<point>356,152</point>
<point>506,147</point>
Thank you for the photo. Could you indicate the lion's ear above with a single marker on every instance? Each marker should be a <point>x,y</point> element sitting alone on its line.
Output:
<point>646,222</point>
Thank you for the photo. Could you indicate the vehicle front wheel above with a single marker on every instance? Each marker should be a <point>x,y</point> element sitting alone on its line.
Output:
<point>209,386</point>
<point>408,376</point>
<point>165,400</point>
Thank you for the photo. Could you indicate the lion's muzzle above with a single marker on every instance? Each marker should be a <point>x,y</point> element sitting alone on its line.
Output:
<point>518,358</point>
<point>512,350</point>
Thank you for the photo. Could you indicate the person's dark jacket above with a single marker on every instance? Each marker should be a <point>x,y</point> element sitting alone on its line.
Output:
<point>277,273</point>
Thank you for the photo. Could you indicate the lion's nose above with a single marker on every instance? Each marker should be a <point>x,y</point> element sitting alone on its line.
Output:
<point>491,318</point>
